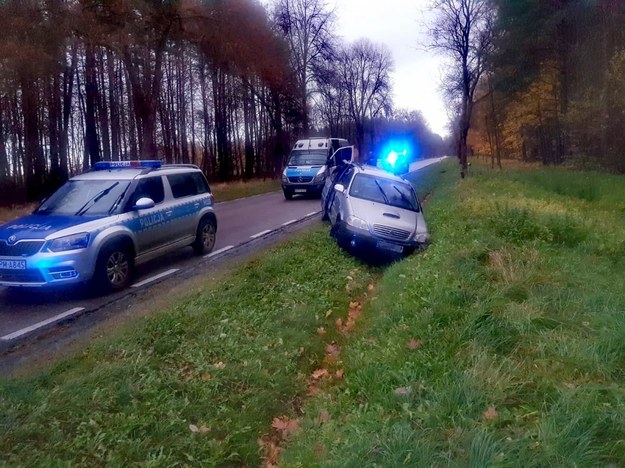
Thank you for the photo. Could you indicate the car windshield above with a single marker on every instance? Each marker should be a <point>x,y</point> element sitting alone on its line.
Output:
<point>386,191</point>
<point>308,158</point>
<point>84,198</point>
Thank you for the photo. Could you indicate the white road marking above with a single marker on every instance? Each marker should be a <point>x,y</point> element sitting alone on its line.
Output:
<point>289,222</point>
<point>155,277</point>
<point>312,213</point>
<point>217,252</point>
<point>43,323</point>
<point>262,233</point>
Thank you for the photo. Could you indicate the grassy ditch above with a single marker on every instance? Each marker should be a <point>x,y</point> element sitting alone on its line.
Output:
<point>502,345</point>
<point>241,189</point>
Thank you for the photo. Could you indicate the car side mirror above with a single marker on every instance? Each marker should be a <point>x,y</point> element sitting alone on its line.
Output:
<point>339,188</point>
<point>144,203</point>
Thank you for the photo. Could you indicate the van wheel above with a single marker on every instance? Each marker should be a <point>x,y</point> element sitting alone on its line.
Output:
<point>288,194</point>
<point>114,268</point>
<point>205,237</point>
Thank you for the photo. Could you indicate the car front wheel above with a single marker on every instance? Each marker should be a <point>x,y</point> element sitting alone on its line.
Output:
<point>114,268</point>
<point>288,194</point>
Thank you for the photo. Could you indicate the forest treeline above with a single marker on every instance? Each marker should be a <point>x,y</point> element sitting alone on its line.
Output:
<point>225,84</point>
<point>553,89</point>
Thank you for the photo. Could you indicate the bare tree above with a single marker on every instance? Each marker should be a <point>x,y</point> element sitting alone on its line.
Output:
<point>365,75</point>
<point>307,27</point>
<point>463,32</point>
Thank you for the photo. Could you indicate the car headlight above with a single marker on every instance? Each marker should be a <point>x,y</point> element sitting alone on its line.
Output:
<point>422,237</point>
<point>358,223</point>
<point>73,242</point>
<point>285,179</point>
<point>321,175</point>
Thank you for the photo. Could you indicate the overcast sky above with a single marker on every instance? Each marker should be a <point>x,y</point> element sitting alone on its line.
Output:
<point>400,24</point>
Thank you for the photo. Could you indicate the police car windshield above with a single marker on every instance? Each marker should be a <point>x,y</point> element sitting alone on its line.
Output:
<point>84,197</point>
<point>308,158</point>
<point>382,190</point>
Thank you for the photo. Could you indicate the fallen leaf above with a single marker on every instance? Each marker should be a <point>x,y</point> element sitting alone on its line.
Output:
<point>339,374</point>
<point>320,374</point>
<point>321,331</point>
<point>339,324</point>
<point>414,344</point>
<point>405,327</point>
<point>354,313</point>
<point>328,313</point>
<point>204,429</point>
<point>586,324</point>
<point>370,287</point>
<point>402,391</point>
<point>219,365</point>
<point>320,449</point>
<point>285,425</point>
<point>206,376</point>
<point>354,304</point>
<point>349,278</point>
<point>193,428</point>
<point>333,349</point>
<point>490,413</point>
<point>324,416</point>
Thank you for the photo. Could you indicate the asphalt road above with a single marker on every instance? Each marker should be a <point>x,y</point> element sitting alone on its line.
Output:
<point>243,224</point>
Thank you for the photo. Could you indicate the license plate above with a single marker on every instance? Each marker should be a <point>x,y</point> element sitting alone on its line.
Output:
<point>300,190</point>
<point>12,264</point>
<point>390,246</point>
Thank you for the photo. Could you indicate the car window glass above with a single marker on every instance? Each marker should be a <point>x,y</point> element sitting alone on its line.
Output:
<point>346,177</point>
<point>182,185</point>
<point>152,187</point>
<point>84,198</point>
<point>200,183</point>
<point>344,154</point>
<point>308,158</point>
<point>386,191</point>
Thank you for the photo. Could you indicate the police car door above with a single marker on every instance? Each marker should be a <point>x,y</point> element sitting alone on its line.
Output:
<point>152,231</point>
<point>189,196</point>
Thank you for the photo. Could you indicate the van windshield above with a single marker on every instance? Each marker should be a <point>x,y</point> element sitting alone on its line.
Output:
<point>308,158</point>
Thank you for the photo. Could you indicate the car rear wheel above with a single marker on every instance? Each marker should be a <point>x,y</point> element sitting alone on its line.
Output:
<point>114,268</point>
<point>205,237</point>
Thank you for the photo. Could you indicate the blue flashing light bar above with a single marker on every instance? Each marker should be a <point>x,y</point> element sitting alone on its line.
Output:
<point>105,165</point>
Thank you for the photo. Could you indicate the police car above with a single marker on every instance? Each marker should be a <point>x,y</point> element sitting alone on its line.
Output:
<point>102,223</point>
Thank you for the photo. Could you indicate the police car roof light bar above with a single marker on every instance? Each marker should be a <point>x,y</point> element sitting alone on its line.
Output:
<point>105,165</point>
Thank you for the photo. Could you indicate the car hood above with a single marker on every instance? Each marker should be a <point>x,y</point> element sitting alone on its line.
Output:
<point>302,171</point>
<point>39,226</point>
<point>386,215</point>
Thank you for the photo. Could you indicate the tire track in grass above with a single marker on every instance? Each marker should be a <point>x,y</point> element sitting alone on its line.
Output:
<point>330,373</point>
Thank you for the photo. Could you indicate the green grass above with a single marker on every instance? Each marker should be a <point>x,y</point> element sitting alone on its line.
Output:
<point>520,307</point>
<point>241,189</point>
<point>500,345</point>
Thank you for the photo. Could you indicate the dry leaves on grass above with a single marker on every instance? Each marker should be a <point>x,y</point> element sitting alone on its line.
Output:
<point>414,344</point>
<point>285,425</point>
<point>490,413</point>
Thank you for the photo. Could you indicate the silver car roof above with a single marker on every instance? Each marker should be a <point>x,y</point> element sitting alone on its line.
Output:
<point>132,173</point>
<point>377,172</point>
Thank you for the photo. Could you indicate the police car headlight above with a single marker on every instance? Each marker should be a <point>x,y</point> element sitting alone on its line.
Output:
<point>73,242</point>
<point>285,179</point>
<point>358,223</point>
<point>321,175</point>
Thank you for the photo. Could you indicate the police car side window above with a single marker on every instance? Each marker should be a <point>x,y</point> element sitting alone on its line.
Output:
<point>182,185</point>
<point>152,187</point>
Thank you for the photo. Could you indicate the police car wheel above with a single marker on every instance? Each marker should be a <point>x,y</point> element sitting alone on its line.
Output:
<point>288,194</point>
<point>114,268</point>
<point>205,237</point>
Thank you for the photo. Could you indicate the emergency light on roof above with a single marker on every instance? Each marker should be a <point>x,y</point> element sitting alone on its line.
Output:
<point>104,165</point>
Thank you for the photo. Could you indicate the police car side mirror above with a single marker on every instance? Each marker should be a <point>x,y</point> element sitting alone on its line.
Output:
<point>339,188</point>
<point>143,204</point>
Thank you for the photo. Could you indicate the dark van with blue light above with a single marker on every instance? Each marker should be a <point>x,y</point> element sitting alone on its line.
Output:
<point>308,165</point>
<point>102,223</point>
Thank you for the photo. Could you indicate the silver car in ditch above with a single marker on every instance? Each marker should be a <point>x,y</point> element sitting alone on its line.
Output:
<point>371,209</point>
